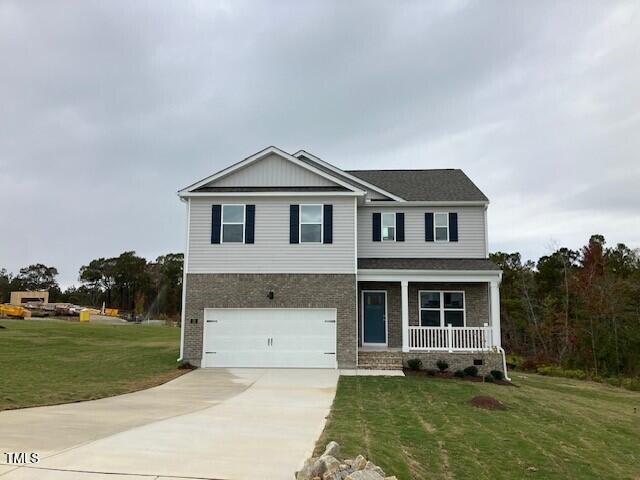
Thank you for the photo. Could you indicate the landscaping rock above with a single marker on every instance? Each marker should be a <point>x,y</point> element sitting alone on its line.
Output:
<point>330,464</point>
<point>332,449</point>
<point>392,477</point>
<point>371,466</point>
<point>329,467</point>
<point>310,470</point>
<point>365,475</point>
<point>360,462</point>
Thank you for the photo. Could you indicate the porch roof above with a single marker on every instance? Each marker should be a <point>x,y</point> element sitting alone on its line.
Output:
<point>449,264</point>
<point>428,270</point>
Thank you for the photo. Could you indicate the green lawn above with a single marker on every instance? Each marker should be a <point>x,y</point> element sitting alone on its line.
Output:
<point>423,428</point>
<point>49,362</point>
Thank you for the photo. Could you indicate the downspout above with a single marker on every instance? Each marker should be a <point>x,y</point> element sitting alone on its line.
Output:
<point>504,363</point>
<point>185,259</point>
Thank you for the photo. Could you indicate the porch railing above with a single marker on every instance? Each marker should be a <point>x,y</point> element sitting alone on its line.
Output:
<point>450,338</point>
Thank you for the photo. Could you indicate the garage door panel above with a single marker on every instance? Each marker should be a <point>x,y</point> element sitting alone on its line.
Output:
<point>270,338</point>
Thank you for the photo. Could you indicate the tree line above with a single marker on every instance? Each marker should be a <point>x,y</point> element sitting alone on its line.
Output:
<point>576,308</point>
<point>127,282</point>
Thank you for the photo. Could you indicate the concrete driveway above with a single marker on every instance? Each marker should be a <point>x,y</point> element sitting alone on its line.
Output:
<point>207,424</point>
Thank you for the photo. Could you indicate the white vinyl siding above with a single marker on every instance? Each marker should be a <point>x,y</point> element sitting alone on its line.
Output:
<point>471,234</point>
<point>272,171</point>
<point>272,252</point>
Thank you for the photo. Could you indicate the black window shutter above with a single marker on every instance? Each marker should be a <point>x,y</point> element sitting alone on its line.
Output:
<point>250,224</point>
<point>428,227</point>
<point>294,215</point>
<point>216,219</point>
<point>377,227</point>
<point>327,219</point>
<point>400,227</point>
<point>453,227</point>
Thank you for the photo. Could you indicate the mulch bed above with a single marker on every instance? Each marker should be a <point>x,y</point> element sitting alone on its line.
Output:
<point>487,403</point>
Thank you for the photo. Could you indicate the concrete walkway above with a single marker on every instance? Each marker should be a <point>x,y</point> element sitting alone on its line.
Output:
<point>207,424</point>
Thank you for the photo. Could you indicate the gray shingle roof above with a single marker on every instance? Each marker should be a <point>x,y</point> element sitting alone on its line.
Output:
<point>426,264</point>
<point>424,185</point>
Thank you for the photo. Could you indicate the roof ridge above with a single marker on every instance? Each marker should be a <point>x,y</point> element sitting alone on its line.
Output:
<point>405,170</point>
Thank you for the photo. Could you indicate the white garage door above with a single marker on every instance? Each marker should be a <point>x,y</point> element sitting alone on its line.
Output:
<point>270,337</point>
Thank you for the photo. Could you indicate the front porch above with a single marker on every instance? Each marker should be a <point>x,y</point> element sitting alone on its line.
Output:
<point>427,313</point>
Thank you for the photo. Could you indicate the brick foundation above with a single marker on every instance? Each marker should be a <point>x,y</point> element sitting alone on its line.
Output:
<point>457,361</point>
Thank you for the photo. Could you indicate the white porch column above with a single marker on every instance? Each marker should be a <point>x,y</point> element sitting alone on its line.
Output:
<point>404,295</point>
<point>495,313</point>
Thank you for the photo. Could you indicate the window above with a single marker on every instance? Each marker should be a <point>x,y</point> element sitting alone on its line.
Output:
<point>388,227</point>
<point>439,309</point>
<point>310,223</point>
<point>441,227</point>
<point>233,217</point>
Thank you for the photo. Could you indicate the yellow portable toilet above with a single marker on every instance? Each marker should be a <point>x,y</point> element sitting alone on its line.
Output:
<point>85,315</point>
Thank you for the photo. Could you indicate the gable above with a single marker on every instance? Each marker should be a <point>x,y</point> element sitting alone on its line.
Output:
<point>272,171</point>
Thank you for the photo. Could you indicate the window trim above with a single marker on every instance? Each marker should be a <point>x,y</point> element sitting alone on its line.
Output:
<point>435,228</point>
<point>395,228</point>
<point>244,221</point>
<point>442,309</point>
<point>300,222</point>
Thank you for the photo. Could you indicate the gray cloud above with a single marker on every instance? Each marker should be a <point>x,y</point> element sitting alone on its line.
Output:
<point>109,107</point>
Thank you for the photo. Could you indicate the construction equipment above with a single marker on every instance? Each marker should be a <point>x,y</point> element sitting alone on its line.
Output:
<point>14,311</point>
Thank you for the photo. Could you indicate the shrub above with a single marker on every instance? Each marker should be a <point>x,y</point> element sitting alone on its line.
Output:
<point>414,363</point>
<point>431,372</point>
<point>471,371</point>
<point>442,365</point>
<point>459,374</point>
<point>553,371</point>
<point>489,378</point>
<point>497,374</point>
<point>631,384</point>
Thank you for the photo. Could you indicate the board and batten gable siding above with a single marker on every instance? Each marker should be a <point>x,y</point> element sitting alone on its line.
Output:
<point>272,252</point>
<point>272,171</point>
<point>471,234</point>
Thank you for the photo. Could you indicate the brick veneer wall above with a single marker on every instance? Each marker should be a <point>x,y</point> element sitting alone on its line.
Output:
<point>476,305</point>
<point>235,290</point>
<point>476,297</point>
<point>457,360</point>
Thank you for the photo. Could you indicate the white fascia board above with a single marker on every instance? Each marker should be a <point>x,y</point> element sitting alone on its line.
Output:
<point>429,275</point>
<point>261,154</point>
<point>349,176</point>
<point>439,203</point>
<point>271,194</point>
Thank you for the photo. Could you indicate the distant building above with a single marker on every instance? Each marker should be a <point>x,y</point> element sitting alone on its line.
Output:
<point>20,298</point>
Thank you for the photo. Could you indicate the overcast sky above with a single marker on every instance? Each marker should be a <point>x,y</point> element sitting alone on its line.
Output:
<point>108,108</point>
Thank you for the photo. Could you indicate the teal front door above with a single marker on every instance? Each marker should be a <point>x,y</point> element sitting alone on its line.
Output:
<point>374,323</point>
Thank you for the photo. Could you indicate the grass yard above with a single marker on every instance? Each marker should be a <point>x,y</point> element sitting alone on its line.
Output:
<point>49,362</point>
<point>554,428</point>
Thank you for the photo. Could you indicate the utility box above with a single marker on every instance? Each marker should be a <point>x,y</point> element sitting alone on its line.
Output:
<point>85,315</point>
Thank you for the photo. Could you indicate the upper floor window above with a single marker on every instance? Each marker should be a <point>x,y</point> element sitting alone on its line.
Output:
<point>441,226</point>
<point>388,226</point>
<point>233,222</point>
<point>311,223</point>
<point>439,309</point>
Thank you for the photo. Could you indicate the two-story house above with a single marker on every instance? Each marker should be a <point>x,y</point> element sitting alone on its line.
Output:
<point>292,262</point>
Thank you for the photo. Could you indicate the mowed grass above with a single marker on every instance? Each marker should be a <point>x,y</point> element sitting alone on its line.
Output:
<point>554,428</point>
<point>50,362</point>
